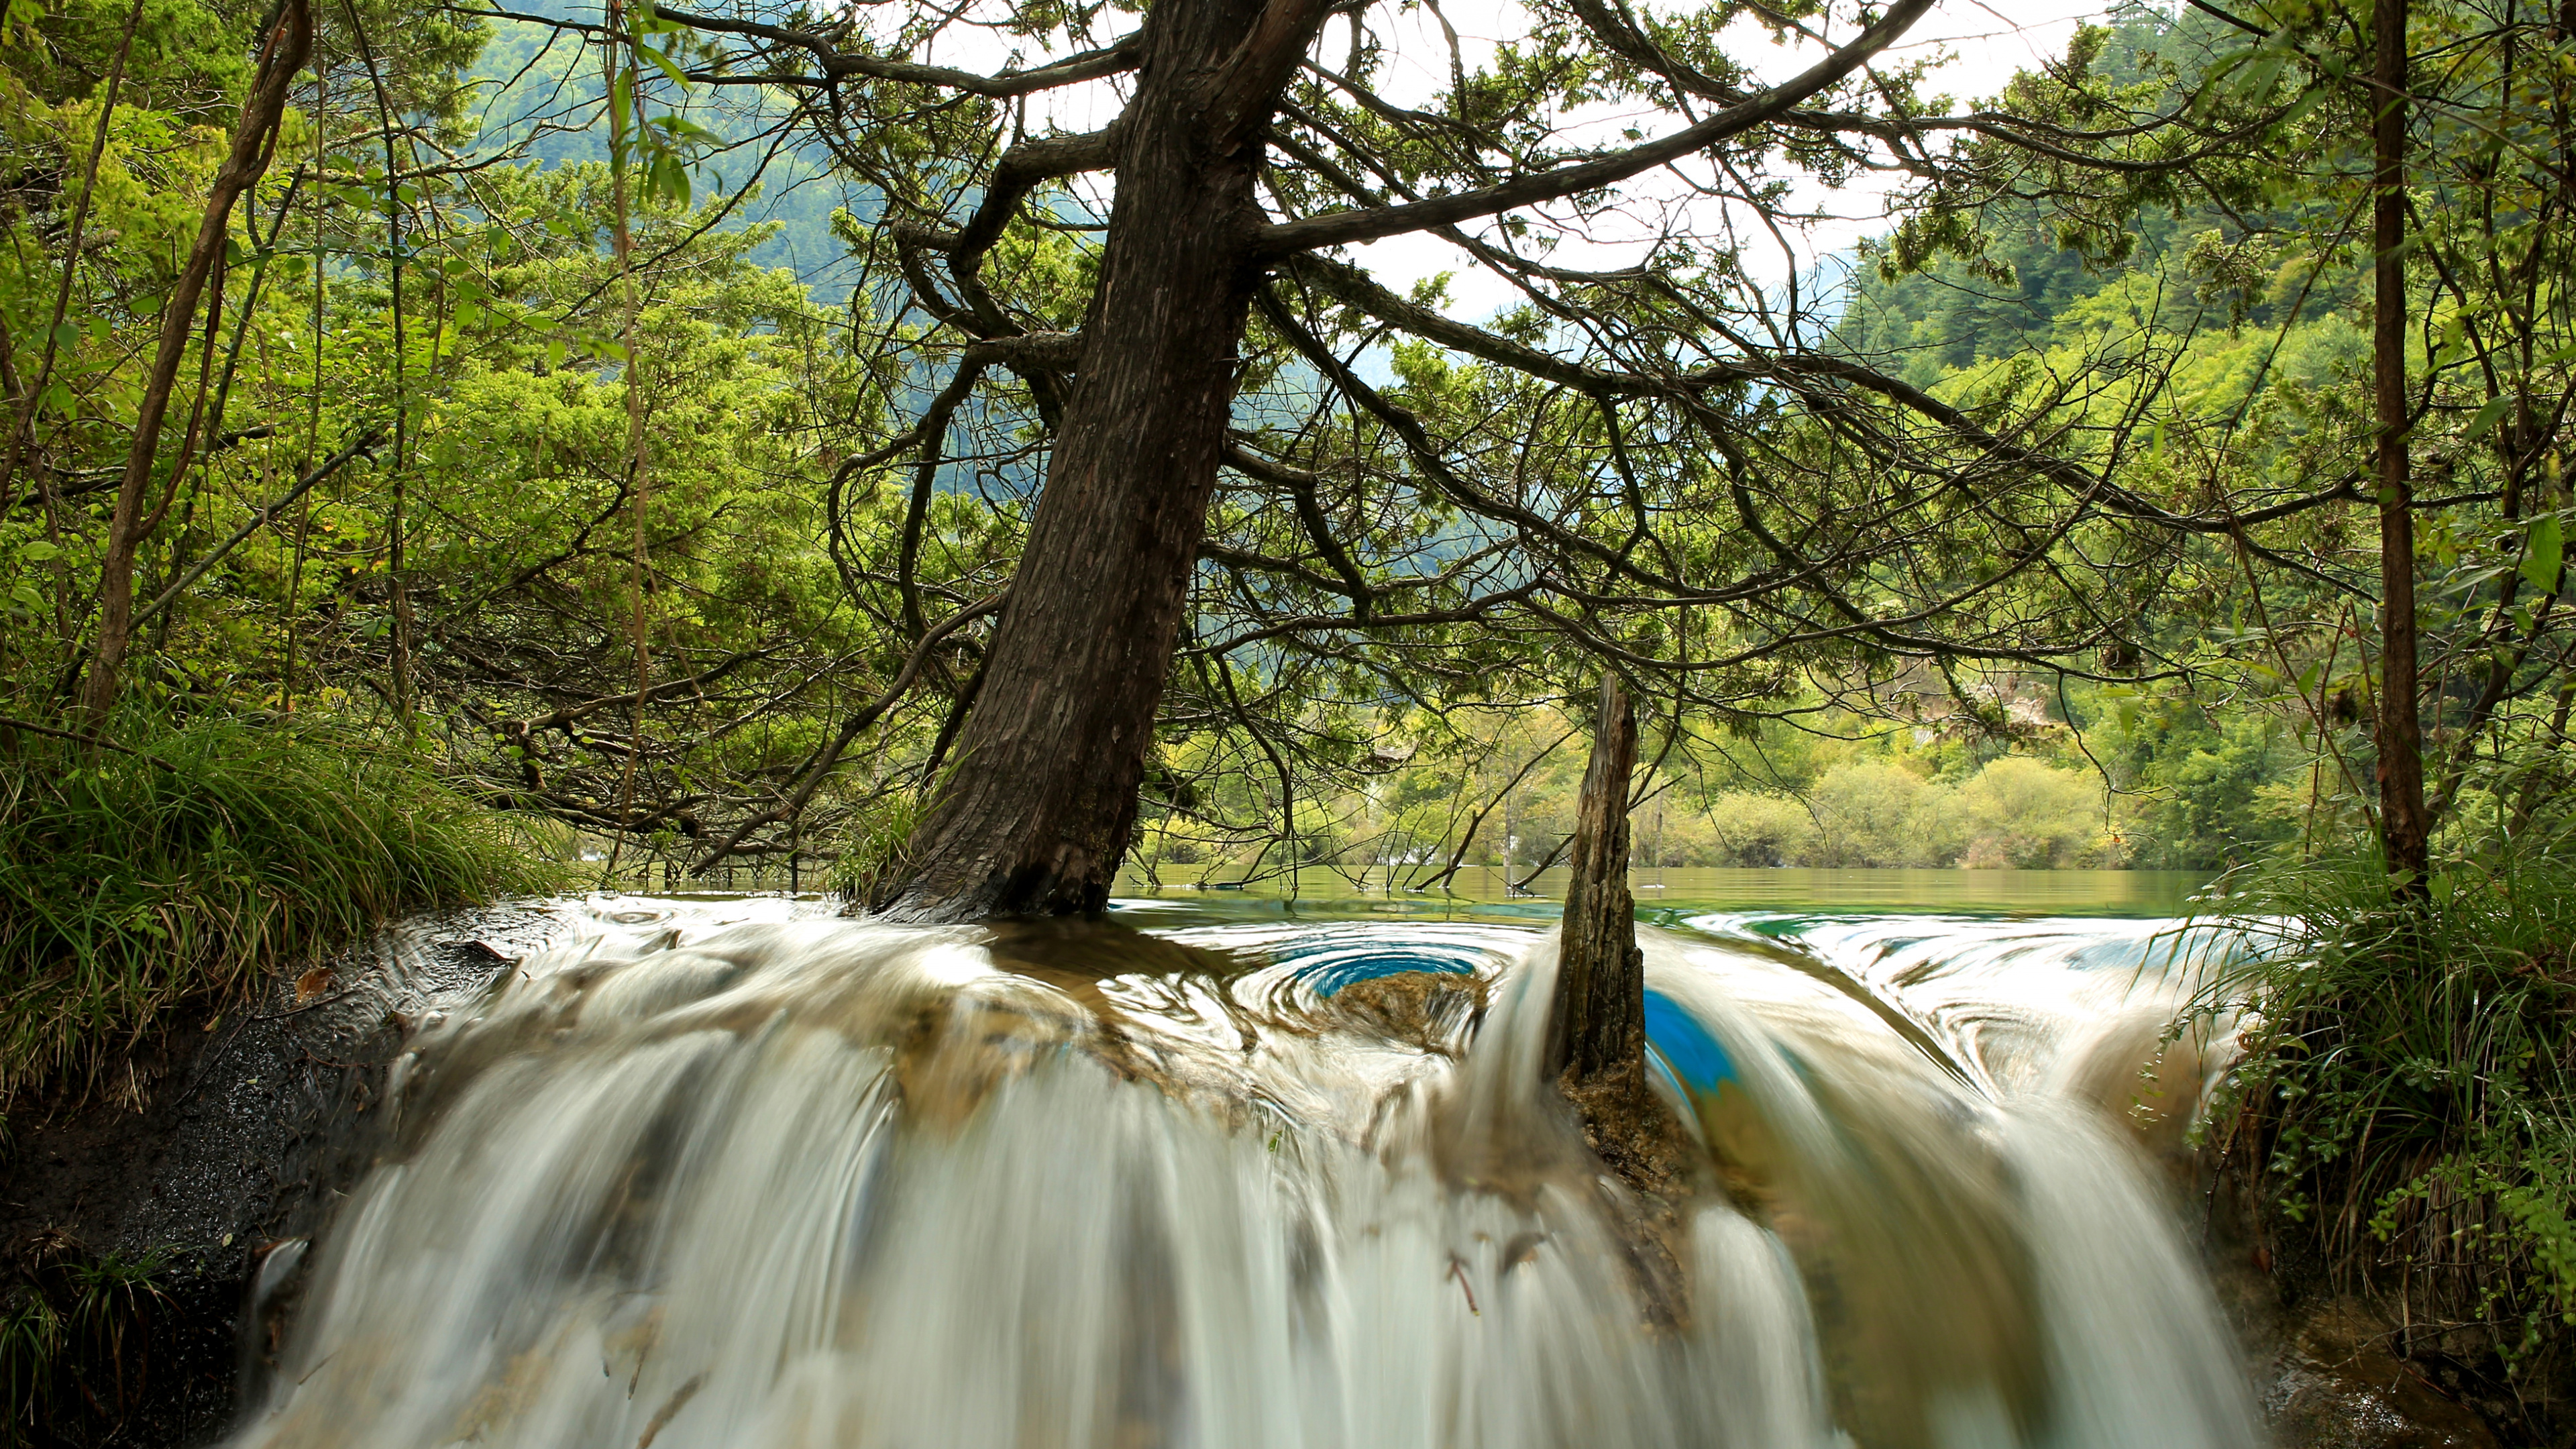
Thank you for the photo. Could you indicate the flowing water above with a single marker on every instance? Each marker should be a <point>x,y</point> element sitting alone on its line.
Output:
<point>733,1174</point>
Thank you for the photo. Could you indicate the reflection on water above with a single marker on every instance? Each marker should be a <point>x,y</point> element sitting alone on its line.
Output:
<point>2028,892</point>
<point>728,1173</point>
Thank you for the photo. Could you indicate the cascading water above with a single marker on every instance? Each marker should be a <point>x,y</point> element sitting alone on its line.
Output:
<point>691,1182</point>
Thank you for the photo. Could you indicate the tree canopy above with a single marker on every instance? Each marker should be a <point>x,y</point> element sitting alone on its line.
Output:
<point>715,561</point>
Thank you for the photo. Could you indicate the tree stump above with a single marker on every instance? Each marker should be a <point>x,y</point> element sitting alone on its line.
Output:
<point>1597,1026</point>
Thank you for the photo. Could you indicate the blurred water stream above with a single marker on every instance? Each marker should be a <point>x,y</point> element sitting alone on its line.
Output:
<point>729,1172</point>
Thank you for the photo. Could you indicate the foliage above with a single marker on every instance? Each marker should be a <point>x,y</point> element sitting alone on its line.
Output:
<point>172,868</point>
<point>74,1334</point>
<point>2407,1097</point>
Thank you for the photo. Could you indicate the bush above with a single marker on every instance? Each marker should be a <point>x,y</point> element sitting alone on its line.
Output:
<point>184,861</point>
<point>2407,1101</point>
<point>1745,829</point>
<point>1870,814</point>
<point>2021,813</point>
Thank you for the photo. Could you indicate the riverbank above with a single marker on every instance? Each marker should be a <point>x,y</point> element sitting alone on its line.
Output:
<point>135,1231</point>
<point>171,865</point>
<point>2403,1123</point>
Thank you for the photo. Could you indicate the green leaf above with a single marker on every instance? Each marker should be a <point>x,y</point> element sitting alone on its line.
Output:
<point>2542,555</point>
<point>669,179</point>
<point>2259,78</point>
<point>664,63</point>
<point>2309,100</point>
<point>2485,420</point>
<point>38,551</point>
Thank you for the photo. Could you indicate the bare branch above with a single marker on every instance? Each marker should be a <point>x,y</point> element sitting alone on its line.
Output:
<point>838,63</point>
<point>1343,227</point>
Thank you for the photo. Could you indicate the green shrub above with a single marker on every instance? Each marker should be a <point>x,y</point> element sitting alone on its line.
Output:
<point>1742,828</point>
<point>2023,813</point>
<point>2407,1100</point>
<point>182,862</point>
<point>1871,814</point>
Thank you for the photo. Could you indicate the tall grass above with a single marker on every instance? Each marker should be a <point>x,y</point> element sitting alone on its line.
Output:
<point>177,866</point>
<point>2408,1096</point>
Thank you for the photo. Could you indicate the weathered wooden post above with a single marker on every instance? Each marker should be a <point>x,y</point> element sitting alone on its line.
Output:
<point>1596,1036</point>
<point>1597,1028</point>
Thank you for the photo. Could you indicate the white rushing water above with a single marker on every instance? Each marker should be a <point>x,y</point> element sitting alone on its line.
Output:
<point>692,1181</point>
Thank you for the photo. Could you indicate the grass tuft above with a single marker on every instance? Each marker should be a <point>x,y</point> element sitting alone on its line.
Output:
<point>196,857</point>
<point>74,1332</point>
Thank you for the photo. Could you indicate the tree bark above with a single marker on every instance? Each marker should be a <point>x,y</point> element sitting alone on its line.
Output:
<point>1035,815</point>
<point>284,53</point>
<point>2403,824</point>
<point>1597,1024</point>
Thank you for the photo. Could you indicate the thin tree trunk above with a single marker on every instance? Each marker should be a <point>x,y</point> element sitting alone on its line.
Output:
<point>1597,1025</point>
<point>2403,826</point>
<point>397,574</point>
<point>287,46</point>
<point>313,420</point>
<point>1039,815</point>
<point>621,126</point>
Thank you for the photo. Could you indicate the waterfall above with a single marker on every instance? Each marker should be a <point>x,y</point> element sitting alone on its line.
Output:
<point>698,1180</point>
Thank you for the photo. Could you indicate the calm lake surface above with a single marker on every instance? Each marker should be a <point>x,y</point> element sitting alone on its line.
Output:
<point>1481,890</point>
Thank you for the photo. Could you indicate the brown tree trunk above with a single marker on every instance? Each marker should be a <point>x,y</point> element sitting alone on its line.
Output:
<point>1597,1025</point>
<point>2403,824</point>
<point>1035,814</point>
<point>283,55</point>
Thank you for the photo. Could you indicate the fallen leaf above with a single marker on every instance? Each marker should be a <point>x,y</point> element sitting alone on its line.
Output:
<point>315,982</point>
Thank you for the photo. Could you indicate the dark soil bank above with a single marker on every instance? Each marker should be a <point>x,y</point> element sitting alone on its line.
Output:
<point>162,1243</point>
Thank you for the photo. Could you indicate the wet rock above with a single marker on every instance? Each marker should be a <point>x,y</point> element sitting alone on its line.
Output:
<point>222,1140</point>
<point>1434,1010</point>
<point>2337,1385</point>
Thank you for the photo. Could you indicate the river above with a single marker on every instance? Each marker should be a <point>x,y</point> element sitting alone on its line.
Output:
<point>1235,1171</point>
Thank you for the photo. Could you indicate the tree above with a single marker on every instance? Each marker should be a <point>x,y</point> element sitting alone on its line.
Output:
<point>282,54</point>
<point>2432,198</point>
<point>2404,828</point>
<point>1666,465</point>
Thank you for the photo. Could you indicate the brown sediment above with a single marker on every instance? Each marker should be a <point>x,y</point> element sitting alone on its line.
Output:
<point>1437,1011</point>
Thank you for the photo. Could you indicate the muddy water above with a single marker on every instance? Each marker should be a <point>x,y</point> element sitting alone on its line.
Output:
<point>720,1173</point>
